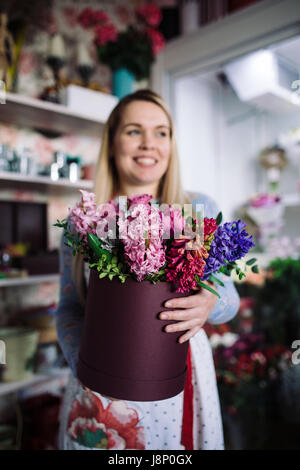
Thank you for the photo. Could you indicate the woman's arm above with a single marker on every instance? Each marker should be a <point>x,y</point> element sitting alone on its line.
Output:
<point>70,313</point>
<point>227,305</point>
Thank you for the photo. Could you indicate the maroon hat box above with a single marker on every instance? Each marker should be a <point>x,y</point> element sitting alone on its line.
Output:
<point>125,352</point>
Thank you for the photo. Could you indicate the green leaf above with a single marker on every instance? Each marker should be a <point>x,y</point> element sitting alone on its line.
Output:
<point>225,270</point>
<point>250,261</point>
<point>219,218</point>
<point>95,245</point>
<point>201,284</point>
<point>213,278</point>
<point>255,269</point>
<point>102,275</point>
<point>60,223</point>
<point>111,275</point>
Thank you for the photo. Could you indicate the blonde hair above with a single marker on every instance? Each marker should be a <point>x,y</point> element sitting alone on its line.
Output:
<point>106,178</point>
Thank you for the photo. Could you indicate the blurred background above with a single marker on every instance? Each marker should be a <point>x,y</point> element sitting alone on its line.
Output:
<point>229,70</point>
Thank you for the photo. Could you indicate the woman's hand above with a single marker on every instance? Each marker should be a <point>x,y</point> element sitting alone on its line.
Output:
<point>197,308</point>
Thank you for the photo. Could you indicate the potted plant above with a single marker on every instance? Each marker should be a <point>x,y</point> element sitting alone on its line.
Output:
<point>131,52</point>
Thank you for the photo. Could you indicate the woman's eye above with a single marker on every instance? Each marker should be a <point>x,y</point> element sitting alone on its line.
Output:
<point>136,131</point>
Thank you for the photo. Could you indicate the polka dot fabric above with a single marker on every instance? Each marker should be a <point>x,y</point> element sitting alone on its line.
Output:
<point>160,421</point>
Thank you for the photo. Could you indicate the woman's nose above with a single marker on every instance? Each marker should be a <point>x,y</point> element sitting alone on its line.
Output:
<point>147,141</point>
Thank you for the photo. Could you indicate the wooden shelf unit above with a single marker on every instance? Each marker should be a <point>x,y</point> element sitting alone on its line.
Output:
<point>34,113</point>
<point>11,180</point>
<point>24,281</point>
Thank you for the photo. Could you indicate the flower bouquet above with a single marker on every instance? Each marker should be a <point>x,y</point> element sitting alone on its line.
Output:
<point>141,254</point>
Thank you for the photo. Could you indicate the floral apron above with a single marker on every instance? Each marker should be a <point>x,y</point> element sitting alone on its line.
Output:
<point>190,420</point>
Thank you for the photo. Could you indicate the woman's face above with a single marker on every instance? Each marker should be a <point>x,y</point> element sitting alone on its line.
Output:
<point>142,144</point>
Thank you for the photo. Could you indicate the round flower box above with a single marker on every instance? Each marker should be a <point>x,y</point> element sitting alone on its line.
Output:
<point>125,352</point>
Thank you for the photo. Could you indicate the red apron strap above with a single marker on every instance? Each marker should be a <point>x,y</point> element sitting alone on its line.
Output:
<point>188,408</point>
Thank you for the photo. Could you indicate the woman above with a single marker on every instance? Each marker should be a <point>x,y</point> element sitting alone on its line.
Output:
<point>138,155</point>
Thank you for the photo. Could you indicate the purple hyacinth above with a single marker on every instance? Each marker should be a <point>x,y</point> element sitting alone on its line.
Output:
<point>230,243</point>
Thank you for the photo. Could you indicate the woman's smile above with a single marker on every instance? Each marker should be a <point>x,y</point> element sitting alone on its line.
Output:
<point>145,161</point>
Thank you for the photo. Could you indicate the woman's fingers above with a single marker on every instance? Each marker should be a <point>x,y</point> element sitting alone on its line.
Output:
<point>177,314</point>
<point>189,334</point>
<point>182,325</point>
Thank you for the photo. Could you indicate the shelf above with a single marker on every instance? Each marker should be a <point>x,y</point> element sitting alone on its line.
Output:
<point>9,387</point>
<point>23,281</point>
<point>30,112</point>
<point>9,179</point>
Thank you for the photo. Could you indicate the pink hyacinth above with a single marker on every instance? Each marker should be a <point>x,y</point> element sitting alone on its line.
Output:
<point>144,260</point>
<point>141,233</point>
<point>85,215</point>
<point>140,199</point>
<point>173,221</point>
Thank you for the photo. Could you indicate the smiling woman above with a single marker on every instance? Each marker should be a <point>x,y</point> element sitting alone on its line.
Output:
<point>138,155</point>
<point>141,148</point>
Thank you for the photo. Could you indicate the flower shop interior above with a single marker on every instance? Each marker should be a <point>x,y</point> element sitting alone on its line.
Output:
<point>233,86</point>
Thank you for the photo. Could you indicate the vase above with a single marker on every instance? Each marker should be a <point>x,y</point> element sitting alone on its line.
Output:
<point>125,352</point>
<point>122,82</point>
<point>20,350</point>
